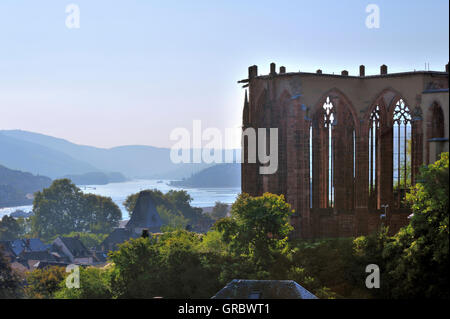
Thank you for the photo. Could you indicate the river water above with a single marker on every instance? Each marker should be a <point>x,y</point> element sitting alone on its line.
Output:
<point>202,197</point>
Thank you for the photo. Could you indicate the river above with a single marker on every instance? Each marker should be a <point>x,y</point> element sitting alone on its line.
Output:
<point>201,197</point>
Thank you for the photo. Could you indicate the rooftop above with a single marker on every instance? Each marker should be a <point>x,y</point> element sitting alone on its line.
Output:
<point>263,289</point>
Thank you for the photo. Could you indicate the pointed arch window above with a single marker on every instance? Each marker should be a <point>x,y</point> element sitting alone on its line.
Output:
<point>374,142</point>
<point>401,149</point>
<point>329,122</point>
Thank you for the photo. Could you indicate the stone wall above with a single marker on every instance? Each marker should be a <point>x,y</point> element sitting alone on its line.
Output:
<point>293,103</point>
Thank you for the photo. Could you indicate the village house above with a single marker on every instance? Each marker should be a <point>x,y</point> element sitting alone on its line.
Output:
<point>144,217</point>
<point>74,249</point>
<point>263,289</point>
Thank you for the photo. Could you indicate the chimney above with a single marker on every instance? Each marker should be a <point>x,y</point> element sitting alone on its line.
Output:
<point>383,69</point>
<point>272,69</point>
<point>446,68</point>
<point>252,71</point>
<point>282,69</point>
<point>362,70</point>
<point>145,233</point>
<point>344,73</point>
<point>319,71</point>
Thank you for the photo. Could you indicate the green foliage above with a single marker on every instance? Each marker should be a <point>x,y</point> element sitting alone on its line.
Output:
<point>252,244</point>
<point>94,284</point>
<point>219,211</point>
<point>11,228</point>
<point>174,208</point>
<point>415,261</point>
<point>257,226</point>
<point>330,263</point>
<point>43,283</point>
<point>422,248</point>
<point>63,208</point>
<point>169,266</point>
<point>10,283</point>
<point>171,218</point>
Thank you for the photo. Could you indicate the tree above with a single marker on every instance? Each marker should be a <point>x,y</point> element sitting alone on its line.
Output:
<point>219,211</point>
<point>415,261</point>
<point>174,208</point>
<point>258,226</point>
<point>136,269</point>
<point>171,266</point>
<point>10,283</point>
<point>94,284</point>
<point>10,228</point>
<point>171,218</point>
<point>102,213</point>
<point>63,208</point>
<point>423,246</point>
<point>43,283</point>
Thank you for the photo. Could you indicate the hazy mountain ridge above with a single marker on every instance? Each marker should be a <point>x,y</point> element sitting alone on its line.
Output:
<point>56,157</point>
<point>221,175</point>
<point>38,159</point>
<point>16,185</point>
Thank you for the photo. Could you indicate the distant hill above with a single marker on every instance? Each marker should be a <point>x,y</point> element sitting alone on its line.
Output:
<point>23,155</point>
<point>17,188</point>
<point>96,178</point>
<point>55,157</point>
<point>221,175</point>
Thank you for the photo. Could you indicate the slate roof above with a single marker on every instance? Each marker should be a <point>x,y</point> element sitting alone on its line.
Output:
<point>28,244</point>
<point>36,255</point>
<point>118,236</point>
<point>263,289</point>
<point>145,214</point>
<point>76,247</point>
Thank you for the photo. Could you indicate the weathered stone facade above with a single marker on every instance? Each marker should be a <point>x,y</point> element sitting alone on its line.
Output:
<point>347,145</point>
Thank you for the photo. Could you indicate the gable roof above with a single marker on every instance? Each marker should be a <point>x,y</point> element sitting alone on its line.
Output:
<point>263,289</point>
<point>145,214</point>
<point>75,246</point>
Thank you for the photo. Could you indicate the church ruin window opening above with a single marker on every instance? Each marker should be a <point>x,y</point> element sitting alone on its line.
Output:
<point>402,142</point>
<point>329,122</point>
<point>374,142</point>
<point>437,126</point>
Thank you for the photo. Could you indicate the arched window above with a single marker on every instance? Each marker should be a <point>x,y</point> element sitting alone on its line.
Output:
<point>374,142</point>
<point>437,122</point>
<point>401,150</point>
<point>328,122</point>
<point>332,139</point>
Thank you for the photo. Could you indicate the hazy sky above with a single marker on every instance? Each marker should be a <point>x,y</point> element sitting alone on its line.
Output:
<point>135,70</point>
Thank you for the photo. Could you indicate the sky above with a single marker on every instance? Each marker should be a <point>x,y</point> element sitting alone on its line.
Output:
<point>136,70</point>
